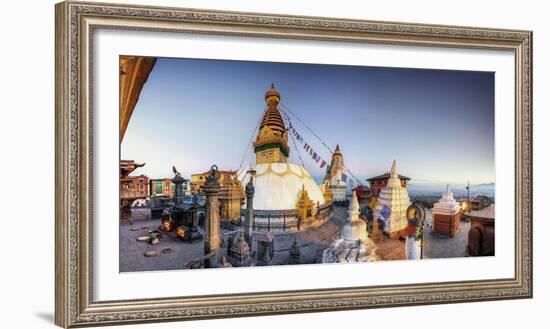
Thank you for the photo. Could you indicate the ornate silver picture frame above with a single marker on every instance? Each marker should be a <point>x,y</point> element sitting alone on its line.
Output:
<point>76,23</point>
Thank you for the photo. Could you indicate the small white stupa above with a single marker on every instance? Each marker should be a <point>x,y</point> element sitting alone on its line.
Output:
<point>446,214</point>
<point>447,204</point>
<point>355,228</point>
<point>354,244</point>
<point>392,204</point>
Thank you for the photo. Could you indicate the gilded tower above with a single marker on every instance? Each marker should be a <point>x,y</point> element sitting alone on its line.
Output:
<point>271,145</point>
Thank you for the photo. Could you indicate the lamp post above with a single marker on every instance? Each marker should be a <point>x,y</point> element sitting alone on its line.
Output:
<point>249,218</point>
<point>212,220</point>
<point>469,204</point>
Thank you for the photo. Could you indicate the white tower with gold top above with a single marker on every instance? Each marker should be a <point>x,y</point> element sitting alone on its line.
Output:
<point>286,197</point>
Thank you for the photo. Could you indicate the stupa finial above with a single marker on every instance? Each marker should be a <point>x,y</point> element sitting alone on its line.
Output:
<point>393,172</point>
<point>448,189</point>
<point>353,208</point>
<point>272,95</point>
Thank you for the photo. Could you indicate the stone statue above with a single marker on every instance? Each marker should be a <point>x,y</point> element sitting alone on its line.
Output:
<point>213,175</point>
<point>176,172</point>
<point>295,254</point>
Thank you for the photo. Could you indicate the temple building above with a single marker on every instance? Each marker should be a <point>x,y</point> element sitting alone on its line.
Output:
<point>197,181</point>
<point>334,179</point>
<point>481,237</point>
<point>480,202</point>
<point>161,187</point>
<point>391,205</point>
<point>378,182</point>
<point>286,197</point>
<point>446,214</point>
<point>354,244</point>
<point>231,198</point>
<point>131,187</point>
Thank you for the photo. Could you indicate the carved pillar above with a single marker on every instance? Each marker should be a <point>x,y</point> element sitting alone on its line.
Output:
<point>249,218</point>
<point>212,221</point>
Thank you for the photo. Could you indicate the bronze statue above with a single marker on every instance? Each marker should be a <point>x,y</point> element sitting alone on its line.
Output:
<point>176,172</point>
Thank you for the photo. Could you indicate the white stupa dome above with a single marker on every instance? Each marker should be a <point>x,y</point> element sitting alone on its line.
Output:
<point>278,185</point>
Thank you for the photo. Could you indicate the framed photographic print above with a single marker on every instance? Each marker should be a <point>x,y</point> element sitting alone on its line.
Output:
<point>218,164</point>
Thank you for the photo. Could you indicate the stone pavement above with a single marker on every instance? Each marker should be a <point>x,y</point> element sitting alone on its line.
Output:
<point>173,253</point>
<point>441,246</point>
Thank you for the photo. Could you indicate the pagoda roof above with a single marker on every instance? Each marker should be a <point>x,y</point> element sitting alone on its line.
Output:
<point>128,166</point>
<point>387,176</point>
<point>485,214</point>
<point>272,118</point>
<point>480,198</point>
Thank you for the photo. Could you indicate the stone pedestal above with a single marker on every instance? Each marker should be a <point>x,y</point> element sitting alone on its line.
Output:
<point>446,224</point>
<point>212,221</point>
<point>249,218</point>
<point>178,190</point>
<point>238,253</point>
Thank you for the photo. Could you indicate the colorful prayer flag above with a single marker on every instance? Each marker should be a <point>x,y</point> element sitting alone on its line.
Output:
<point>323,163</point>
<point>314,155</point>
<point>305,146</point>
<point>344,178</point>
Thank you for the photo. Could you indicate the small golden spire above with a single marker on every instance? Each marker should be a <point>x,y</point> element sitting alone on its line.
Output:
<point>272,95</point>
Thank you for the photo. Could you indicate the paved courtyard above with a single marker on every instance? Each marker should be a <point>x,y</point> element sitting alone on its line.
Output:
<point>441,246</point>
<point>172,253</point>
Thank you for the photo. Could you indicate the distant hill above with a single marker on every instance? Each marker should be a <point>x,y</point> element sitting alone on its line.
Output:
<point>459,190</point>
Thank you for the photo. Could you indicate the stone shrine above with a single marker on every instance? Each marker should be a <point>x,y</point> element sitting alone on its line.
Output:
<point>265,249</point>
<point>238,252</point>
<point>295,253</point>
<point>446,214</point>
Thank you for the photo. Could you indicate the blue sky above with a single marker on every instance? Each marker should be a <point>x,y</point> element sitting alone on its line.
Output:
<point>437,124</point>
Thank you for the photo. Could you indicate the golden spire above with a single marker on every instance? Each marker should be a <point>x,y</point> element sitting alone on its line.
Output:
<point>272,116</point>
<point>271,144</point>
<point>272,95</point>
